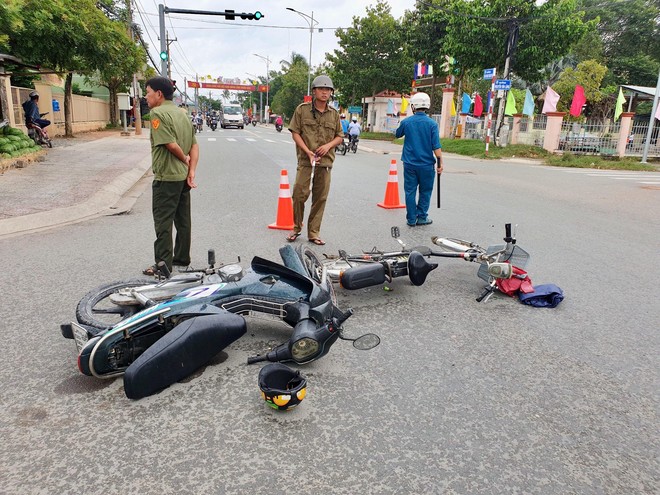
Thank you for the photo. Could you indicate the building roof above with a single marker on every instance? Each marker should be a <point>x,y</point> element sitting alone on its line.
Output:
<point>643,92</point>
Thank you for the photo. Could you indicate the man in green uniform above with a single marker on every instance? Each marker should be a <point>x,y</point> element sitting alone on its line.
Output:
<point>316,129</point>
<point>174,156</point>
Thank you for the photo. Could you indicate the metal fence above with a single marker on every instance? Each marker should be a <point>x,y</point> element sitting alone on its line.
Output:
<point>590,137</point>
<point>637,139</point>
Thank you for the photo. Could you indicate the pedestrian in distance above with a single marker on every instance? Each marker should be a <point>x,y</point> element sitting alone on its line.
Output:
<point>344,124</point>
<point>174,156</point>
<point>422,159</point>
<point>316,129</point>
<point>354,130</point>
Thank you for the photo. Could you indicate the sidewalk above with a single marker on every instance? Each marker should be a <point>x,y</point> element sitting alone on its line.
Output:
<point>376,146</point>
<point>80,178</point>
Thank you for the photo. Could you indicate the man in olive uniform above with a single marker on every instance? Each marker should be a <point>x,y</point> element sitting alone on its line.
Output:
<point>316,130</point>
<point>174,156</point>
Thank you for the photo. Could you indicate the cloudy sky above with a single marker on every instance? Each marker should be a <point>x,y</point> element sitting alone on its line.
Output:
<point>210,45</point>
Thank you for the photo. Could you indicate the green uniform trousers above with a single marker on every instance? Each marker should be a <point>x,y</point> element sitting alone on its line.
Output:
<point>171,206</point>
<point>301,190</point>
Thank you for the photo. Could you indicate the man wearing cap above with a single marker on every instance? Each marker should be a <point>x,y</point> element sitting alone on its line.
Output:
<point>316,129</point>
<point>174,156</point>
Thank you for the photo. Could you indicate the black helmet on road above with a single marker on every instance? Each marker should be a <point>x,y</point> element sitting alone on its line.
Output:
<point>322,81</point>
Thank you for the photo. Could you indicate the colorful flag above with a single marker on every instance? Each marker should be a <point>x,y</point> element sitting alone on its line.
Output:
<point>618,108</point>
<point>422,69</point>
<point>578,101</point>
<point>510,108</point>
<point>551,100</point>
<point>453,108</point>
<point>404,105</point>
<point>478,105</point>
<point>467,103</point>
<point>528,107</point>
<point>390,107</point>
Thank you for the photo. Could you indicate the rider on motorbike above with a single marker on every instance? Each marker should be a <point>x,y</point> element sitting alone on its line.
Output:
<point>32,115</point>
<point>279,123</point>
<point>354,130</point>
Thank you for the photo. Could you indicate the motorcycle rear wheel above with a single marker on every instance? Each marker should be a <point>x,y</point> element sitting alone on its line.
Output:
<point>314,268</point>
<point>95,308</point>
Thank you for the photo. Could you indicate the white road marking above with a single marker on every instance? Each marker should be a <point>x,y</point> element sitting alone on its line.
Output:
<point>212,139</point>
<point>231,139</point>
<point>250,139</point>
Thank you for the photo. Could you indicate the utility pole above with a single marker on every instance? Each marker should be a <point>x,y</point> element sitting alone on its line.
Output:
<point>136,87</point>
<point>511,43</point>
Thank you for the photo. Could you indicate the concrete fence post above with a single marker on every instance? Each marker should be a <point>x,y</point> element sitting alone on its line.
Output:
<point>553,131</point>
<point>626,125</point>
<point>445,118</point>
<point>515,129</point>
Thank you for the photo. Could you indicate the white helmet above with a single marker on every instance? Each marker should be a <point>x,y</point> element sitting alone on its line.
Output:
<point>420,101</point>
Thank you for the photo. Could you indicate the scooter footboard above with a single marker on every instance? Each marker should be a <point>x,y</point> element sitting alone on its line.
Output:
<point>184,349</point>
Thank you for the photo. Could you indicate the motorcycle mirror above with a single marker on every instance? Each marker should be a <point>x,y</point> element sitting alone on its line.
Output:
<point>366,341</point>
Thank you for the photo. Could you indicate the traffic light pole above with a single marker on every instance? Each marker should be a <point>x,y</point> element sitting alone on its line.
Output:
<point>163,40</point>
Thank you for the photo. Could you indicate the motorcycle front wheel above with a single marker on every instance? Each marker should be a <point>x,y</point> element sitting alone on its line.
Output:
<point>97,310</point>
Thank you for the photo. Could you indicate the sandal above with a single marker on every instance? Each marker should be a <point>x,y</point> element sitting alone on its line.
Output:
<point>293,236</point>
<point>151,271</point>
<point>317,241</point>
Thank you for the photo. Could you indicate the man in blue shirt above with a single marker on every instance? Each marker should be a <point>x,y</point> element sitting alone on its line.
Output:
<point>344,124</point>
<point>422,159</point>
<point>31,109</point>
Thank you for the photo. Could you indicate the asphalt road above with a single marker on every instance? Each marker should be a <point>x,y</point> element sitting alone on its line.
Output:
<point>460,397</point>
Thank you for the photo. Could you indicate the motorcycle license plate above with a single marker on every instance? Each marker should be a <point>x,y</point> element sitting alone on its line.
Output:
<point>80,336</point>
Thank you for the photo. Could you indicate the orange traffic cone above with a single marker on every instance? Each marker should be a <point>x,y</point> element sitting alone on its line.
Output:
<point>392,192</point>
<point>284,205</point>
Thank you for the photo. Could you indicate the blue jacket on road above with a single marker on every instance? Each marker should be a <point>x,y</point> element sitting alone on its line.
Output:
<point>422,137</point>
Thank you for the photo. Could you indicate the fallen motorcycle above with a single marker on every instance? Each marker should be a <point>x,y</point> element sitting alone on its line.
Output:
<point>156,344</point>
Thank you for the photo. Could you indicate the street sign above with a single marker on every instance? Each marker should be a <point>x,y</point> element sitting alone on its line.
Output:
<point>489,73</point>
<point>355,110</point>
<point>503,85</point>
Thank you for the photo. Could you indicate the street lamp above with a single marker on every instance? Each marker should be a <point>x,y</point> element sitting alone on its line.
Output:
<point>310,21</point>
<point>267,79</point>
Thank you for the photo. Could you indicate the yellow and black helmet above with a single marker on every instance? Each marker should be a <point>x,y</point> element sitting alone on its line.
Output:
<point>281,387</point>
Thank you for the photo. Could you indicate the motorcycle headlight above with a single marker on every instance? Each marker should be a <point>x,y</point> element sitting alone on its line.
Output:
<point>304,349</point>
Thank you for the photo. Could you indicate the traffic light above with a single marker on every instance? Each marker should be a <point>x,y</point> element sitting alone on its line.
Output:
<point>163,55</point>
<point>252,17</point>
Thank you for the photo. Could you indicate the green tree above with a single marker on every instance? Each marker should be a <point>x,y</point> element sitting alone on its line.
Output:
<point>68,36</point>
<point>292,85</point>
<point>372,56</point>
<point>588,74</point>
<point>479,31</point>
<point>629,33</point>
<point>10,21</point>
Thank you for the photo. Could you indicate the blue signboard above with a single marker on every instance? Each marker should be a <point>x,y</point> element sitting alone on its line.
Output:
<point>503,85</point>
<point>357,110</point>
<point>489,73</point>
<point>56,106</point>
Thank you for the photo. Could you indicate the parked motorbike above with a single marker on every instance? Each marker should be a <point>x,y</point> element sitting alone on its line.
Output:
<point>37,134</point>
<point>156,344</point>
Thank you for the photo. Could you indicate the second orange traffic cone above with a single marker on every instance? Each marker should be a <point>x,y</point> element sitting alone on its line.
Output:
<point>392,192</point>
<point>284,205</point>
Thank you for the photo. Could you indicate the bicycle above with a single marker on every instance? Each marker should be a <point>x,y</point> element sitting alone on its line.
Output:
<point>352,144</point>
<point>376,267</point>
<point>341,147</point>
